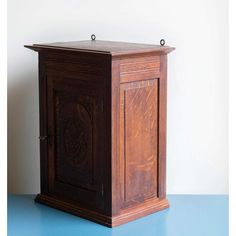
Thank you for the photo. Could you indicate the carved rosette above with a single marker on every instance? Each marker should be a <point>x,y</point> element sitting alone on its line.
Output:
<point>77,136</point>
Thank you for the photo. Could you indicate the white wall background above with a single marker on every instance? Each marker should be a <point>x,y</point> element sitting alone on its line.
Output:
<point>197,142</point>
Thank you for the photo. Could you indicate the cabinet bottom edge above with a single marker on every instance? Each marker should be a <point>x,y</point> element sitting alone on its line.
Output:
<point>97,217</point>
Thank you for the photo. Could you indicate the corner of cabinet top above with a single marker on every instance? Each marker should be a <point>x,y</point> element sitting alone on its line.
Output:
<point>114,49</point>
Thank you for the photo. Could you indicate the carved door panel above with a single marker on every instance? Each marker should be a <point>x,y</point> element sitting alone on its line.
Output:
<point>138,141</point>
<point>74,120</point>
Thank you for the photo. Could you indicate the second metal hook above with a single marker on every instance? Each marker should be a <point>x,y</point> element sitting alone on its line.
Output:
<point>162,42</point>
<point>93,36</point>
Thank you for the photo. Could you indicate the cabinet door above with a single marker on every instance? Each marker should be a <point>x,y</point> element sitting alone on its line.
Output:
<point>138,141</point>
<point>74,125</point>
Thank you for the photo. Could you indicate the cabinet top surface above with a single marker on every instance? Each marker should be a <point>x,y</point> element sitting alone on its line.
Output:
<point>103,47</point>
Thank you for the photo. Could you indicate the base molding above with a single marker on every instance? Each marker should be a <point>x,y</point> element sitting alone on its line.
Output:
<point>125,216</point>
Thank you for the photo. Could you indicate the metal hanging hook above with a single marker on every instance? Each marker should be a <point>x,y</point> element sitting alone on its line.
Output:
<point>162,42</point>
<point>93,37</point>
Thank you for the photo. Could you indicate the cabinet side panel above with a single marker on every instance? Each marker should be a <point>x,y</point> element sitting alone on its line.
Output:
<point>138,141</point>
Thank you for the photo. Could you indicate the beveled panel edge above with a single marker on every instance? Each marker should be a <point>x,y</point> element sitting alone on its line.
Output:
<point>159,50</point>
<point>38,48</point>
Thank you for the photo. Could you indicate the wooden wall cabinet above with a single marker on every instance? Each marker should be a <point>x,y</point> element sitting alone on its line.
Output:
<point>103,129</point>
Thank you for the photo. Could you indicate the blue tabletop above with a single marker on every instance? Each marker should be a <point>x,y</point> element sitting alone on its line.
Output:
<point>188,215</point>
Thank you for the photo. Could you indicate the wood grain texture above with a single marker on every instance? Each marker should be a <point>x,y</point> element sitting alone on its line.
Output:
<point>77,116</point>
<point>139,68</point>
<point>103,113</point>
<point>75,162</point>
<point>138,141</point>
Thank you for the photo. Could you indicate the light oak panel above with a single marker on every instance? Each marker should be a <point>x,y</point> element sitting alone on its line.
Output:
<point>138,141</point>
<point>135,69</point>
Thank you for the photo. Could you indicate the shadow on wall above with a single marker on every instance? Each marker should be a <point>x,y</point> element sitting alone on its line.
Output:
<point>23,132</point>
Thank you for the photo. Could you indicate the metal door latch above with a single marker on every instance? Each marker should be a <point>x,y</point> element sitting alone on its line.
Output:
<point>43,137</point>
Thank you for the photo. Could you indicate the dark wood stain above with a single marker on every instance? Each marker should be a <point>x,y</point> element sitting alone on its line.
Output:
<point>103,112</point>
